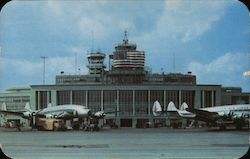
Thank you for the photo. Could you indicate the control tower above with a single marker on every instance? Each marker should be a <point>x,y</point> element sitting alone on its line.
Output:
<point>126,57</point>
<point>96,65</point>
<point>127,63</point>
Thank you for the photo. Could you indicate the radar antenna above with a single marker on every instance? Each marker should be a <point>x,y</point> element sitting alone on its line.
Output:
<point>125,40</point>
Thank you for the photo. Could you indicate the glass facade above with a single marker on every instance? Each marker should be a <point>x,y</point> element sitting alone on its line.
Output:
<point>43,99</point>
<point>15,103</point>
<point>63,97</point>
<point>126,102</point>
<point>94,100</point>
<point>207,98</point>
<point>79,97</point>
<point>188,97</point>
<point>141,102</point>
<point>110,100</point>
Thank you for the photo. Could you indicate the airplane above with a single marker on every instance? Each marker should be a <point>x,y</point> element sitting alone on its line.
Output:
<point>68,111</point>
<point>65,112</point>
<point>219,115</point>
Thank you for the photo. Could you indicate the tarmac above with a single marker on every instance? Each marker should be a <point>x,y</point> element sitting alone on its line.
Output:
<point>125,143</point>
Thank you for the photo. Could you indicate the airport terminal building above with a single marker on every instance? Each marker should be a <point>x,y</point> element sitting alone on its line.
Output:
<point>130,89</point>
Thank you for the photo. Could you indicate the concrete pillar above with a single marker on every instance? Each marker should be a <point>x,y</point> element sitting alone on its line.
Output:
<point>164,100</point>
<point>38,100</point>
<point>53,97</point>
<point>70,97</point>
<point>151,120</point>
<point>149,110</point>
<point>197,99</point>
<point>33,99</point>
<point>118,106</point>
<point>118,121</point>
<point>86,96</point>
<point>180,102</point>
<point>203,99</point>
<point>183,123</point>
<point>133,103</point>
<point>167,122</point>
<point>218,97</point>
<point>102,108</point>
<point>134,122</point>
<point>48,99</point>
<point>212,99</point>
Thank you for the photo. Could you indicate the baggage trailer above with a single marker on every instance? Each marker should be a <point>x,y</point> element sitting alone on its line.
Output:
<point>49,124</point>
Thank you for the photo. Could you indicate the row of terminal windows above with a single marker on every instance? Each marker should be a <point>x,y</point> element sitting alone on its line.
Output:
<point>127,101</point>
<point>16,103</point>
<point>15,99</point>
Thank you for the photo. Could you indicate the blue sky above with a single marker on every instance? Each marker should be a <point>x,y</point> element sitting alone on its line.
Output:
<point>211,39</point>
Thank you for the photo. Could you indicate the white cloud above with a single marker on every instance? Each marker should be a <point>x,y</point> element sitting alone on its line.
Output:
<point>188,20</point>
<point>183,21</point>
<point>67,64</point>
<point>83,18</point>
<point>22,66</point>
<point>54,65</point>
<point>103,25</point>
<point>55,7</point>
<point>226,69</point>
<point>180,20</point>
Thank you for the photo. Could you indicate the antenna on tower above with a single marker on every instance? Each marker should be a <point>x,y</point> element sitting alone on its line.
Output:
<point>125,40</point>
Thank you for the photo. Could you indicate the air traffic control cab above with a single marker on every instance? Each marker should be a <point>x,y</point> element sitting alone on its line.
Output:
<point>127,63</point>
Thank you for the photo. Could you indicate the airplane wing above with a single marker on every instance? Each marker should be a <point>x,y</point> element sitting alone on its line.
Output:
<point>58,115</point>
<point>66,115</point>
<point>11,113</point>
<point>4,111</point>
<point>206,116</point>
<point>187,112</point>
<point>26,113</point>
<point>102,114</point>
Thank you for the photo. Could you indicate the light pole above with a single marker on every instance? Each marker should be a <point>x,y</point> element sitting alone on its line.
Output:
<point>44,58</point>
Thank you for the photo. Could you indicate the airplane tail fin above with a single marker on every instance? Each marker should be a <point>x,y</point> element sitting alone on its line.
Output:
<point>184,106</point>
<point>3,107</point>
<point>157,108</point>
<point>27,107</point>
<point>171,107</point>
